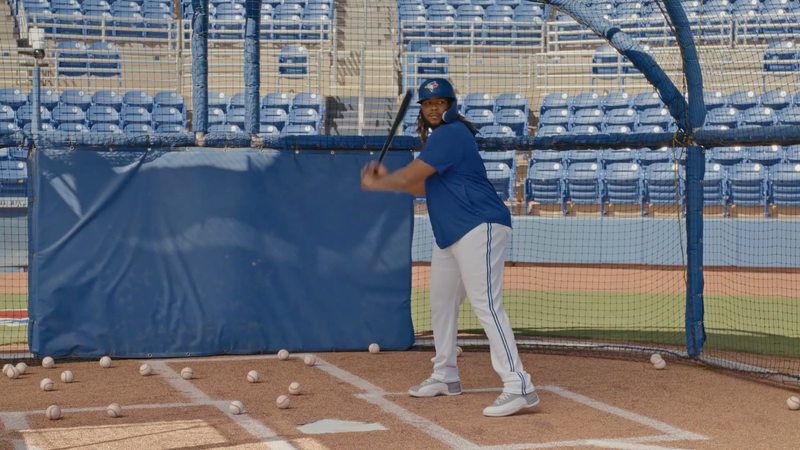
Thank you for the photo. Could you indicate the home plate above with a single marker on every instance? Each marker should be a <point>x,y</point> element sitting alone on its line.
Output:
<point>338,426</point>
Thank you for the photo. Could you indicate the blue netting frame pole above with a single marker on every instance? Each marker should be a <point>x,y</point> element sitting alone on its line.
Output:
<point>37,97</point>
<point>252,68</point>
<point>200,66</point>
<point>695,175</point>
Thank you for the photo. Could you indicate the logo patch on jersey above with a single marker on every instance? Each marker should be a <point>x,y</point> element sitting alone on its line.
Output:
<point>432,86</point>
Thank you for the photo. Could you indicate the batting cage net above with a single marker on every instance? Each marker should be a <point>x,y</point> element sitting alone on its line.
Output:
<point>645,151</point>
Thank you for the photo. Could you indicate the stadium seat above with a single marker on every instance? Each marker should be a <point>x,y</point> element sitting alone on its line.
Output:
<point>502,178</point>
<point>496,131</point>
<point>620,117</point>
<point>614,156</point>
<point>584,130</point>
<point>743,100</point>
<point>276,117</point>
<point>790,116</point>
<point>66,6</point>
<point>138,99</point>
<point>588,117</point>
<point>664,183</point>
<point>228,128</point>
<point>480,117</point>
<point>515,119</point>
<point>309,100</point>
<point>138,128</point>
<point>729,117</point>
<point>8,128</point>
<point>655,117</point>
<point>25,115</point>
<point>277,100</point>
<point>557,101</point>
<point>227,26</point>
<point>43,127</point>
<point>714,100</point>
<point>727,156</point>
<point>47,98</point>
<point>586,100</point>
<point>13,98</point>
<point>777,52</point>
<point>76,97</point>
<point>237,101</point>
<point>156,23</point>
<point>560,117</point>
<point>784,184</point>
<point>170,129</point>
<point>73,128</point>
<point>157,8</point>
<point>268,131</point>
<point>72,50</point>
<point>304,116</point>
<point>104,56</point>
<point>218,100</point>
<point>617,100</point>
<point>792,154</point>
<point>469,11</point>
<point>125,6</point>
<point>7,114</point>
<point>583,182</point>
<point>109,99</point>
<point>171,99</point>
<point>298,130</point>
<point>167,115</point>
<point>128,24</point>
<point>759,116</point>
<point>538,156</point>
<point>550,130</point>
<point>236,117</point>
<point>714,189</point>
<point>766,155</point>
<point>478,101</point>
<point>13,178</point>
<point>606,61</point>
<point>101,114</point>
<point>68,114</point>
<point>623,184</point>
<point>747,185</point>
<point>106,128</point>
<point>647,100</point>
<point>580,156</point>
<point>135,115</point>
<point>511,101</point>
<point>777,99</point>
<point>293,60</point>
<point>216,116</point>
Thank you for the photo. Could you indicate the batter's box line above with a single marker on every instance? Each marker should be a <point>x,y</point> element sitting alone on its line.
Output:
<point>377,396</point>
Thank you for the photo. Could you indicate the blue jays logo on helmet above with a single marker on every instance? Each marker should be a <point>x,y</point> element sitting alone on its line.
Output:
<point>432,85</point>
<point>440,87</point>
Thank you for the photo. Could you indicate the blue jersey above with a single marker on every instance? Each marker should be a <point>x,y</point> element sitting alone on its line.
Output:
<point>459,195</point>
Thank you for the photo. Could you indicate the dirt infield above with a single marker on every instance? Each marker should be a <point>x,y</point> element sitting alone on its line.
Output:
<point>637,280</point>
<point>585,403</point>
<point>14,283</point>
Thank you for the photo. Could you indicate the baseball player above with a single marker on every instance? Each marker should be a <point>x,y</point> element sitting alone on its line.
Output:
<point>471,226</point>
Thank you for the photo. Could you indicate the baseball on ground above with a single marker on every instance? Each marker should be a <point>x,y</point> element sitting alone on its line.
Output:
<point>374,348</point>
<point>282,402</point>
<point>310,360</point>
<point>105,362</point>
<point>145,369</point>
<point>295,388</point>
<point>793,403</point>
<point>48,362</point>
<point>252,376</point>
<point>187,373</point>
<point>46,384</point>
<point>114,410</point>
<point>236,407</point>
<point>459,351</point>
<point>12,372</point>
<point>67,376</point>
<point>53,412</point>
<point>655,358</point>
<point>660,364</point>
<point>22,368</point>
<point>6,367</point>
<point>283,355</point>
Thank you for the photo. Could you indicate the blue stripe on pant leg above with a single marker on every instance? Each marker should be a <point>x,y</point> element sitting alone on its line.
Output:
<point>489,292</point>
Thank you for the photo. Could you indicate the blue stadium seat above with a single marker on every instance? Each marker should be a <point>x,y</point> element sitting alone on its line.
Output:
<point>158,8</point>
<point>76,97</point>
<point>510,3</point>
<point>36,6</point>
<point>317,9</point>
<point>218,100</point>
<point>483,3</point>
<point>110,99</point>
<point>104,56</point>
<point>458,3</point>
<point>94,20</point>
<point>538,156</point>
<point>277,100</point>
<point>584,130</point>
<point>499,10</point>
<point>228,128</point>
<point>216,116</point>
<point>655,117</point>
<point>236,117</point>
<point>289,8</point>
<point>480,117</point>
<point>293,60</point>
<point>715,99</point>
<point>468,11</point>
<point>138,128</point>
<point>268,131</point>
<point>790,116</point>
<point>18,154</point>
<point>298,130</point>
<point>515,119</point>
<point>777,99</point>
<point>614,156</point>
<point>156,23</point>
<point>766,155</point>
<point>139,99</point>
<point>647,100</point>
<point>171,99</point>
<point>747,185</point>
<point>135,115</point>
<point>606,61</point>
<point>781,57</point>
<point>72,50</point>
<point>227,26</point>
<point>125,6</point>
<point>68,114</point>
<point>529,8</point>
<point>25,115</point>
<point>726,156</point>
<point>13,97</point>
<point>743,100</point>
<point>47,98</point>
<point>274,116</point>
<point>502,178</point>
<point>664,183</point>
<point>287,25</point>
<point>8,128</point>
<point>73,128</point>
<point>560,117</point>
<point>128,24</point>
<point>303,116</point>
<point>623,184</point>
<point>507,157</point>
<point>759,116</point>
<point>441,9</point>
<point>43,127</point>
<point>583,182</point>
<point>478,101</point>
<point>580,156</point>
<point>237,101</point>
<point>13,178</point>
<point>588,117</point>
<point>66,6</point>
<point>496,131</point>
<point>170,129</point>
<point>309,100</point>
<point>784,183</point>
<point>620,117</point>
<point>106,128</point>
<point>7,114</point>
<point>555,100</point>
<point>511,101</point>
<point>586,100</point>
<point>729,117</point>
<point>167,115</point>
<point>617,100</point>
<point>550,130</point>
<point>714,189</point>
<point>101,114</point>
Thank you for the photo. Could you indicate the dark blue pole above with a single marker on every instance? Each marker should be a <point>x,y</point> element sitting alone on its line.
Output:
<point>252,68</point>
<point>200,65</point>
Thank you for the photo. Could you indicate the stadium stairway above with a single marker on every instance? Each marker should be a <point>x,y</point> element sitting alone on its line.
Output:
<point>379,112</point>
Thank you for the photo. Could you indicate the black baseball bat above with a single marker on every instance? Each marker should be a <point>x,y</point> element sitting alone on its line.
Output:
<point>397,120</point>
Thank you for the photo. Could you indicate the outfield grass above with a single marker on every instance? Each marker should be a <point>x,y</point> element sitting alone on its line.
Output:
<point>762,325</point>
<point>13,334</point>
<point>13,301</point>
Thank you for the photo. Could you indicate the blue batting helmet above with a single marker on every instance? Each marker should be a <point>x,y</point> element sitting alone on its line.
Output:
<point>439,87</point>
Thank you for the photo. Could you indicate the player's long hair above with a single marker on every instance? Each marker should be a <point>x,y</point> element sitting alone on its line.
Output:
<point>422,125</point>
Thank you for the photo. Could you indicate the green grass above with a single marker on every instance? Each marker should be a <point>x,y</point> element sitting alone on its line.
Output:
<point>762,325</point>
<point>13,334</point>
<point>13,301</point>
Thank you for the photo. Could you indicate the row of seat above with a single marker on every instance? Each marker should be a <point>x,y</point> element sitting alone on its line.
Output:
<point>297,7</point>
<point>766,155</point>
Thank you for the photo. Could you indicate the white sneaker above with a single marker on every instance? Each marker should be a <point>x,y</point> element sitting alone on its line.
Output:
<point>433,387</point>
<point>508,403</point>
